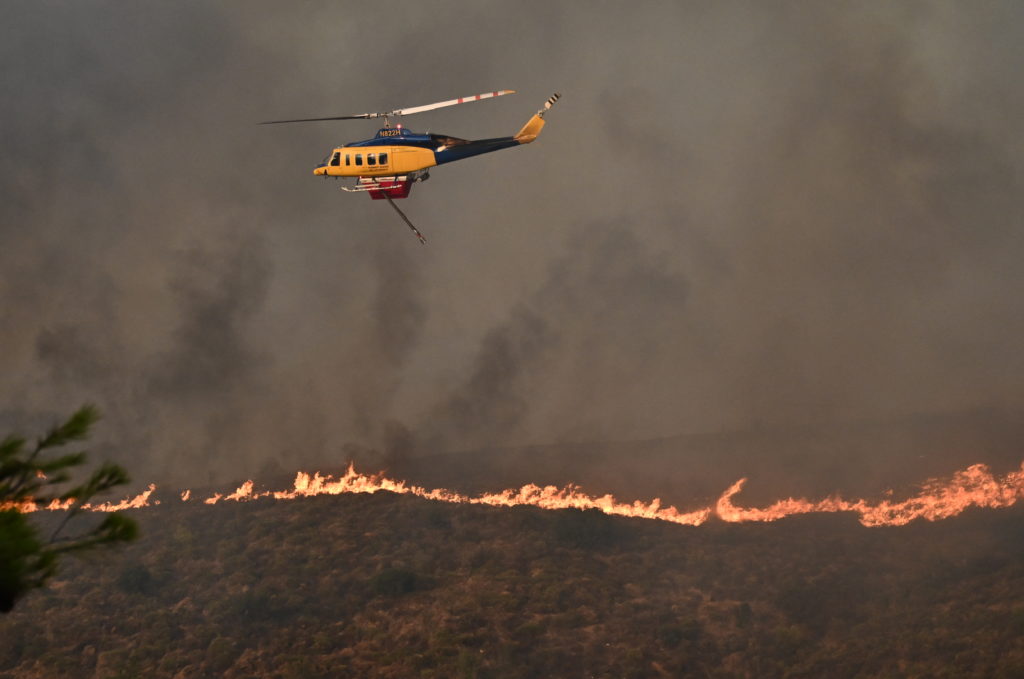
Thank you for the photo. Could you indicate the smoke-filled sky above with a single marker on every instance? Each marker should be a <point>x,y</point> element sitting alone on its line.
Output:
<point>738,214</point>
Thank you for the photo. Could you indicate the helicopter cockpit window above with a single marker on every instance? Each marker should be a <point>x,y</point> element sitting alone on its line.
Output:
<point>383,158</point>
<point>336,159</point>
<point>371,158</point>
<point>359,159</point>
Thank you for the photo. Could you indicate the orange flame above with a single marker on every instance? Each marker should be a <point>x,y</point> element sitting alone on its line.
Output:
<point>548,497</point>
<point>137,502</point>
<point>140,500</point>
<point>971,487</point>
<point>975,486</point>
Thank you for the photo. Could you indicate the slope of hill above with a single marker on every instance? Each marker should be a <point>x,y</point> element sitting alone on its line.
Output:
<point>395,586</point>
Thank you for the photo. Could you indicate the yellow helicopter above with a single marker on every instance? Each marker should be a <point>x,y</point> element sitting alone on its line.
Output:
<point>388,165</point>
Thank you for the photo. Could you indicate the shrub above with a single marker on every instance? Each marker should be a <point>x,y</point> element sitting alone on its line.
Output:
<point>393,582</point>
<point>136,579</point>
<point>221,654</point>
<point>586,528</point>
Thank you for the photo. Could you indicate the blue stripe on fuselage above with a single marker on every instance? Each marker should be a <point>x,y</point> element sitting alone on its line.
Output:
<point>421,140</point>
<point>473,148</point>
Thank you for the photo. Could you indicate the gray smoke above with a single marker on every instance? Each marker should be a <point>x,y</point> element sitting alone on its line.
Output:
<point>738,217</point>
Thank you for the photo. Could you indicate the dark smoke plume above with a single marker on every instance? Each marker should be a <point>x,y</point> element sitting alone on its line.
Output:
<point>740,218</point>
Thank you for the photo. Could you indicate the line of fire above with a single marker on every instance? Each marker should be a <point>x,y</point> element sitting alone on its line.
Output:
<point>936,499</point>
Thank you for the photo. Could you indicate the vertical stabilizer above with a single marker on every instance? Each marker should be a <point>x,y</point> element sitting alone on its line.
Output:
<point>531,130</point>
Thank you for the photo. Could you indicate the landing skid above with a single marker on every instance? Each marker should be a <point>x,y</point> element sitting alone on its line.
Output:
<point>375,184</point>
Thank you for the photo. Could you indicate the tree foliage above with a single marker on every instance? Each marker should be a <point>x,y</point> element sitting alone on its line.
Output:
<point>37,475</point>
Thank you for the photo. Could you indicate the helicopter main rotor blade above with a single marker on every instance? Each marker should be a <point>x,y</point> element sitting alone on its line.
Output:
<point>401,111</point>
<point>451,102</point>
<point>314,120</point>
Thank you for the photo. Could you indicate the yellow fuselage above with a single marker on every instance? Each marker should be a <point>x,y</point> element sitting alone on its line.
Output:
<point>376,161</point>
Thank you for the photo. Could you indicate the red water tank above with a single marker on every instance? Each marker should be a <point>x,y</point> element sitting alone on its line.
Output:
<point>393,188</point>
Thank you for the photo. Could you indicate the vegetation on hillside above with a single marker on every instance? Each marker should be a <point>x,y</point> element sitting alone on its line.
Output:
<point>393,586</point>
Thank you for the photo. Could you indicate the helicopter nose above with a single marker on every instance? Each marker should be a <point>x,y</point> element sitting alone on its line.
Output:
<point>320,169</point>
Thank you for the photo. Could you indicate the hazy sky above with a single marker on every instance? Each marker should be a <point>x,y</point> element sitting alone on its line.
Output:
<point>738,213</point>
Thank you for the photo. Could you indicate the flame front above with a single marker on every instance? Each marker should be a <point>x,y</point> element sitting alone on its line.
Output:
<point>971,487</point>
<point>547,497</point>
<point>975,486</point>
<point>137,502</point>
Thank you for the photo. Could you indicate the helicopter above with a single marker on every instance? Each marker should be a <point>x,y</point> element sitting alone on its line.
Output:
<point>387,165</point>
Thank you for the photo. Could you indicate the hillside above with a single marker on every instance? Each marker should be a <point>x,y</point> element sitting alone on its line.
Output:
<point>395,586</point>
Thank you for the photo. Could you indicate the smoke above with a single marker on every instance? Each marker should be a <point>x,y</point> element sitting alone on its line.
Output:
<point>561,366</point>
<point>738,218</point>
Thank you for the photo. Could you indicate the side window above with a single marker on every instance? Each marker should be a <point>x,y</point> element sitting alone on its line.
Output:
<point>336,159</point>
<point>348,159</point>
<point>384,158</point>
<point>371,158</point>
<point>359,159</point>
